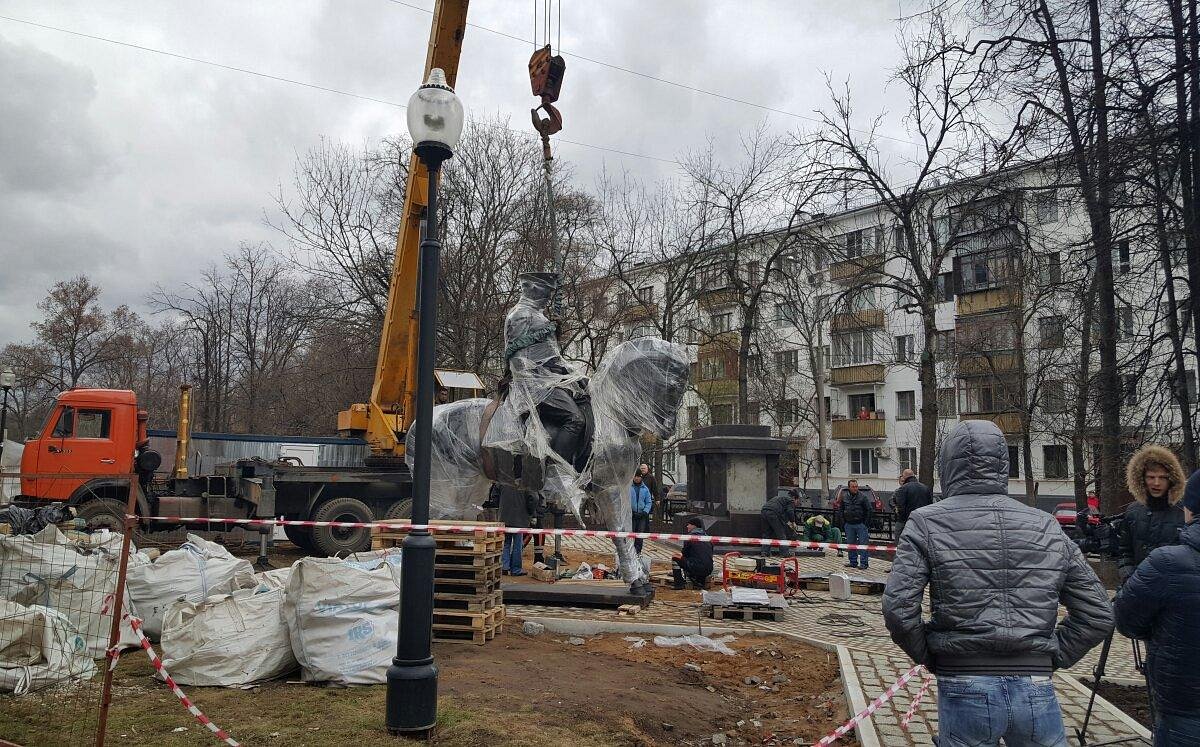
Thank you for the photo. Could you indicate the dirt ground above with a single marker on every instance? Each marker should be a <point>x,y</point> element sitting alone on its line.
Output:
<point>515,690</point>
<point>1133,700</point>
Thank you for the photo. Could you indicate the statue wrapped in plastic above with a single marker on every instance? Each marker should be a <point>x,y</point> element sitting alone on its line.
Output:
<point>553,431</point>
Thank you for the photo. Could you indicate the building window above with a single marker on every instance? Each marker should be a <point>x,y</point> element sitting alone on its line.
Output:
<point>721,414</point>
<point>753,413</point>
<point>863,462</point>
<point>985,394</point>
<point>945,287</point>
<point>1014,461</point>
<point>645,294</point>
<point>862,241</point>
<point>712,369</point>
<point>754,363</point>
<point>827,356</point>
<point>1050,331</point>
<point>1123,257</point>
<point>693,418</point>
<point>722,322</point>
<point>1189,381</point>
<point>1130,390</point>
<point>943,343</point>
<point>828,409</point>
<point>907,457</point>
<point>860,402</point>
<point>1053,268</point>
<point>787,361</point>
<point>854,348</point>
<point>1045,207</point>
<point>985,270</point>
<point>642,330</point>
<point>787,411</point>
<point>1124,322</point>
<point>1054,462</point>
<point>904,349</point>
<point>906,405</point>
<point>947,403</point>
<point>1054,395</point>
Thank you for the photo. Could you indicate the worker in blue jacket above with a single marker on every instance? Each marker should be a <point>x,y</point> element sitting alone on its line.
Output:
<point>643,504</point>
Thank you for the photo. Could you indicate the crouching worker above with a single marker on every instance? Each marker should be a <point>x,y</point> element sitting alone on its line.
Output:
<point>778,515</point>
<point>695,563</point>
<point>818,529</point>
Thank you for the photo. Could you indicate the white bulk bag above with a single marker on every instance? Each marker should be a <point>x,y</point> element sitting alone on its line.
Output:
<point>342,616</point>
<point>276,578</point>
<point>231,639</point>
<point>44,554</point>
<point>197,570</point>
<point>39,648</point>
<point>84,594</point>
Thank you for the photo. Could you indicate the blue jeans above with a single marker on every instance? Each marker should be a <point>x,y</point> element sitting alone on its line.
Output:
<point>510,559</point>
<point>1176,731</point>
<point>856,534</point>
<point>980,710</point>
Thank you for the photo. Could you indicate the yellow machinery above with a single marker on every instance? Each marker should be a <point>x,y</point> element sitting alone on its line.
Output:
<point>385,419</point>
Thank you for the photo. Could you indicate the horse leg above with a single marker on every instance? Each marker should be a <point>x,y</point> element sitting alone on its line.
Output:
<point>631,568</point>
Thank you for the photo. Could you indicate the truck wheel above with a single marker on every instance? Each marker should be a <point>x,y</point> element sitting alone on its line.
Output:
<point>299,536</point>
<point>103,513</point>
<point>333,540</point>
<point>399,510</point>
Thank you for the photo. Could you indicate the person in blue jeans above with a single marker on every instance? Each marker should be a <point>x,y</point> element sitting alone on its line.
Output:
<point>642,504</point>
<point>997,571</point>
<point>514,512</point>
<point>1160,604</point>
<point>856,509</point>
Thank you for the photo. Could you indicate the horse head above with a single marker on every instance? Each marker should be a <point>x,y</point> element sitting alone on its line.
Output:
<point>640,384</point>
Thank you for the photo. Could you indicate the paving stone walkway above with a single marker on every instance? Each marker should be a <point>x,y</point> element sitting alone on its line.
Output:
<point>858,625</point>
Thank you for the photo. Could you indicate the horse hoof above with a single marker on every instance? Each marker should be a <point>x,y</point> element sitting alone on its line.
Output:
<point>644,590</point>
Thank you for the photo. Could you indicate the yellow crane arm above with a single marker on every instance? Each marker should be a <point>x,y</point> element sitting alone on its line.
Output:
<point>391,409</point>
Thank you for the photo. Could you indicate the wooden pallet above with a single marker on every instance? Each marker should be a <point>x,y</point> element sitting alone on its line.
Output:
<point>466,620</point>
<point>856,587</point>
<point>481,542</point>
<point>773,614</point>
<point>466,601</point>
<point>476,637</point>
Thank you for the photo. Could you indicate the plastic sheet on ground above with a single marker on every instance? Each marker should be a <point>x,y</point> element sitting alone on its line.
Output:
<point>228,640</point>
<point>39,648</point>
<point>698,643</point>
<point>342,617</point>
<point>31,520</point>
<point>197,570</point>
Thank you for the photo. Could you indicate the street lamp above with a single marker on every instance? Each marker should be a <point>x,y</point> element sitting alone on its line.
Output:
<point>435,121</point>
<point>8,380</point>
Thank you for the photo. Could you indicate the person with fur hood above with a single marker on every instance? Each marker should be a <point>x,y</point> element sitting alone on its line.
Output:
<point>1156,481</point>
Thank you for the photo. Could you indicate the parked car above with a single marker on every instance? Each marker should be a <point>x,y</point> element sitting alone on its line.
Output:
<point>1066,514</point>
<point>675,501</point>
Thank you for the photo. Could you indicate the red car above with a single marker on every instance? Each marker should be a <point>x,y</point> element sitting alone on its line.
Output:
<point>1066,512</point>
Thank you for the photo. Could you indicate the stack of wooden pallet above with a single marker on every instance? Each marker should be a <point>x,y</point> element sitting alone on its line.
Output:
<point>468,606</point>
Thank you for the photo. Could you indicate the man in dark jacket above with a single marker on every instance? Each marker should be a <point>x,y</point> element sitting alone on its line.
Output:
<point>1155,479</point>
<point>1160,603</point>
<point>856,510</point>
<point>997,571</point>
<point>778,514</point>
<point>695,559</point>
<point>515,508</point>
<point>910,496</point>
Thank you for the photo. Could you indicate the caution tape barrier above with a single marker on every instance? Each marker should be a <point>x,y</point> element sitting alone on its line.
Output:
<point>912,709</point>
<point>136,624</point>
<point>874,706</point>
<point>474,528</point>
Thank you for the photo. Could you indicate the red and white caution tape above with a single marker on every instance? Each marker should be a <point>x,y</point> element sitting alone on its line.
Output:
<point>912,709</point>
<point>875,705</point>
<point>474,528</point>
<point>220,733</point>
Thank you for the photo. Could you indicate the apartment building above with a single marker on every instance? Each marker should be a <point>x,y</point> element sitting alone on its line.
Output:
<point>827,317</point>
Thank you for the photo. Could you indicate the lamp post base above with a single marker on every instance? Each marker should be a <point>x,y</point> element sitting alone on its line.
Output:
<point>411,704</point>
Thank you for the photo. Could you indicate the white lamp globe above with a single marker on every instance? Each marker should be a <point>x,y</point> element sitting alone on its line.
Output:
<point>435,117</point>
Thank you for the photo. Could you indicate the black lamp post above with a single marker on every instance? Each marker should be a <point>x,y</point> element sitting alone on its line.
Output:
<point>435,120</point>
<point>8,380</point>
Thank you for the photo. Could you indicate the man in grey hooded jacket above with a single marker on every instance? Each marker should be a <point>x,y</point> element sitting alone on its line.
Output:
<point>997,571</point>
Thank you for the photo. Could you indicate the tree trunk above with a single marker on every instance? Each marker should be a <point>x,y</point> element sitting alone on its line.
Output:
<point>929,405</point>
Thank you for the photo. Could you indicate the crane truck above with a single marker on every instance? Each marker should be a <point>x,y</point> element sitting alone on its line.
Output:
<point>93,452</point>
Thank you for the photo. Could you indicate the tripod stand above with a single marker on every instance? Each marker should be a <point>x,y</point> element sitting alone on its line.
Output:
<point>1097,675</point>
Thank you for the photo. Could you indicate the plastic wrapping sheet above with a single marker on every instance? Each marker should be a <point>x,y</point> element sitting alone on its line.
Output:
<point>456,480</point>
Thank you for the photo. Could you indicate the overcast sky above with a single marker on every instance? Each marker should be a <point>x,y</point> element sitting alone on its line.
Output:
<point>137,169</point>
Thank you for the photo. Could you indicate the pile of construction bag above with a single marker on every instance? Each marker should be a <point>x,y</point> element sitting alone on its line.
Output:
<point>217,621</point>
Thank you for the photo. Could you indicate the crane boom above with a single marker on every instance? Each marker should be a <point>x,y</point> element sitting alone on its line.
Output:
<point>391,409</point>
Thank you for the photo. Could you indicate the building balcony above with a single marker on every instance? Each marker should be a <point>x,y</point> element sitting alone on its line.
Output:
<point>856,267</point>
<point>866,373</point>
<point>991,299</point>
<point>635,310</point>
<point>713,298</point>
<point>859,430</point>
<point>717,389</point>
<point>987,363</point>
<point>723,342</point>
<point>850,321</point>
<point>1009,423</point>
